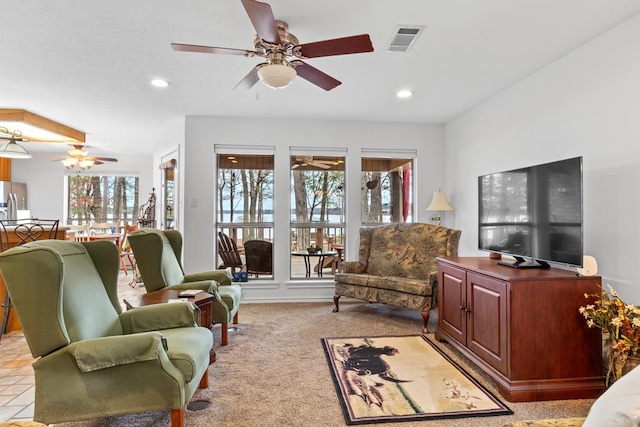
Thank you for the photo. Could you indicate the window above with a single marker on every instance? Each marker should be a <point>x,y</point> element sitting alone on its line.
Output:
<point>244,204</point>
<point>317,212</point>
<point>386,189</point>
<point>245,207</point>
<point>102,199</point>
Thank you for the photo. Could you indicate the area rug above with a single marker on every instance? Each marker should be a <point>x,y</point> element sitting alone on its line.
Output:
<point>403,378</point>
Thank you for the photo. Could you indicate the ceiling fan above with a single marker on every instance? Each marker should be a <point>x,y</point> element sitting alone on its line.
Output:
<point>309,161</point>
<point>79,157</point>
<point>283,51</point>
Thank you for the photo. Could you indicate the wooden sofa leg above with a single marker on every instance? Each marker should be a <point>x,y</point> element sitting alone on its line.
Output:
<point>177,417</point>
<point>425,320</point>
<point>225,334</point>
<point>335,301</point>
<point>235,319</point>
<point>204,381</point>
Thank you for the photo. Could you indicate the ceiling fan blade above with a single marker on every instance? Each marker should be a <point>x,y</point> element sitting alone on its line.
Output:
<point>105,159</point>
<point>263,21</point>
<point>179,47</point>
<point>321,165</point>
<point>249,80</point>
<point>316,76</point>
<point>341,46</point>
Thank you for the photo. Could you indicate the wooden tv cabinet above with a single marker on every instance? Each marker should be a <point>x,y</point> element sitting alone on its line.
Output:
<point>522,327</point>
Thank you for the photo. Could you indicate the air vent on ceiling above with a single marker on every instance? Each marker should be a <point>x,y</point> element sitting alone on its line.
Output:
<point>404,37</point>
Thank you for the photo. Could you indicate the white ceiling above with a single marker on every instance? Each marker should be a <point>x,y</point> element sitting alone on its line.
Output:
<point>88,63</point>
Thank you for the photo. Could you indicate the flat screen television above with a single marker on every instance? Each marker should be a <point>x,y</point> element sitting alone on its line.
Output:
<point>533,214</point>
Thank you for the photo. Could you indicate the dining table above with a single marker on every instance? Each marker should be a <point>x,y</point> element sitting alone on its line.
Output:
<point>114,237</point>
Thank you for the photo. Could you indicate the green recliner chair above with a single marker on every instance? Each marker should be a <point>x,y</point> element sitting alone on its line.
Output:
<point>158,254</point>
<point>93,359</point>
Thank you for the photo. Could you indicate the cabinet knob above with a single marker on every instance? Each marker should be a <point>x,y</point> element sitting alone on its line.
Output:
<point>465,309</point>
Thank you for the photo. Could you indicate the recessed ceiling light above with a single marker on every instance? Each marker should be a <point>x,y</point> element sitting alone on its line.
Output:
<point>159,83</point>
<point>404,93</point>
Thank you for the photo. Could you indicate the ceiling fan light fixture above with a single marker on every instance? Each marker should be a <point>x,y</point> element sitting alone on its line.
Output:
<point>86,163</point>
<point>13,150</point>
<point>69,162</point>
<point>277,76</point>
<point>77,152</point>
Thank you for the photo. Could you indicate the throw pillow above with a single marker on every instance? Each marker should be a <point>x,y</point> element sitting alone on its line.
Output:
<point>619,406</point>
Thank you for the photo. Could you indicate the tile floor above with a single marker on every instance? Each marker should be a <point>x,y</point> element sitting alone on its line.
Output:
<point>17,384</point>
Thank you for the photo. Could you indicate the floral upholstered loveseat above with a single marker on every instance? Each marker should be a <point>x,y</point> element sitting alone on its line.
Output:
<point>397,266</point>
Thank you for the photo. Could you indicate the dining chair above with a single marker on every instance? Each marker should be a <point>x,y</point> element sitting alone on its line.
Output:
<point>125,249</point>
<point>81,232</point>
<point>25,231</point>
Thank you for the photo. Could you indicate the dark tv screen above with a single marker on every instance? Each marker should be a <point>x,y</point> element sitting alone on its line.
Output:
<point>533,213</point>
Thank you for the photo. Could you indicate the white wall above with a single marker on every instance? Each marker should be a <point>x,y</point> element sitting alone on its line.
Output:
<point>46,187</point>
<point>585,104</point>
<point>202,133</point>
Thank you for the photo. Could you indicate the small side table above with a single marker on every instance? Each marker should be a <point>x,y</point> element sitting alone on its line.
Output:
<point>338,247</point>
<point>203,300</point>
<point>307,262</point>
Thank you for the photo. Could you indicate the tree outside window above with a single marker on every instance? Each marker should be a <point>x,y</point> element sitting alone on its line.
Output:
<point>102,199</point>
<point>386,189</point>
<point>245,199</point>
<point>317,207</point>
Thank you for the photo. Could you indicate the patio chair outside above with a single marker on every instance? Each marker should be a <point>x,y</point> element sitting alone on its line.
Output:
<point>229,253</point>
<point>259,256</point>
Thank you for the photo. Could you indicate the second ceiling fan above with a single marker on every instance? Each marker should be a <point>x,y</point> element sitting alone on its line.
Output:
<point>79,157</point>
<point>310,161</point>
<point>283,51</point>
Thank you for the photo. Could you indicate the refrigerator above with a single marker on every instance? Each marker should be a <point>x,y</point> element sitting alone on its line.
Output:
<point>13,199</point>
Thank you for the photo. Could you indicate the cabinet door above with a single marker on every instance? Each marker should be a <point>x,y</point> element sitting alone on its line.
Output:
<point>487,327</point>
<point>452,302</point>
<point>5,169</point>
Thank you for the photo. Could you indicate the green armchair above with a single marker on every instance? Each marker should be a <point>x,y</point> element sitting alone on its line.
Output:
<point>93,359</point>
<point>158,255</point>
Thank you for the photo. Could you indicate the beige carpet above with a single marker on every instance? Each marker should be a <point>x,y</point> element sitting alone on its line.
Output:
<point>274,371</point>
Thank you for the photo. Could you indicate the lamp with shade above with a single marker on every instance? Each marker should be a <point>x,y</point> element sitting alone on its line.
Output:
<point>439,203</point>
<point>13,150</point>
